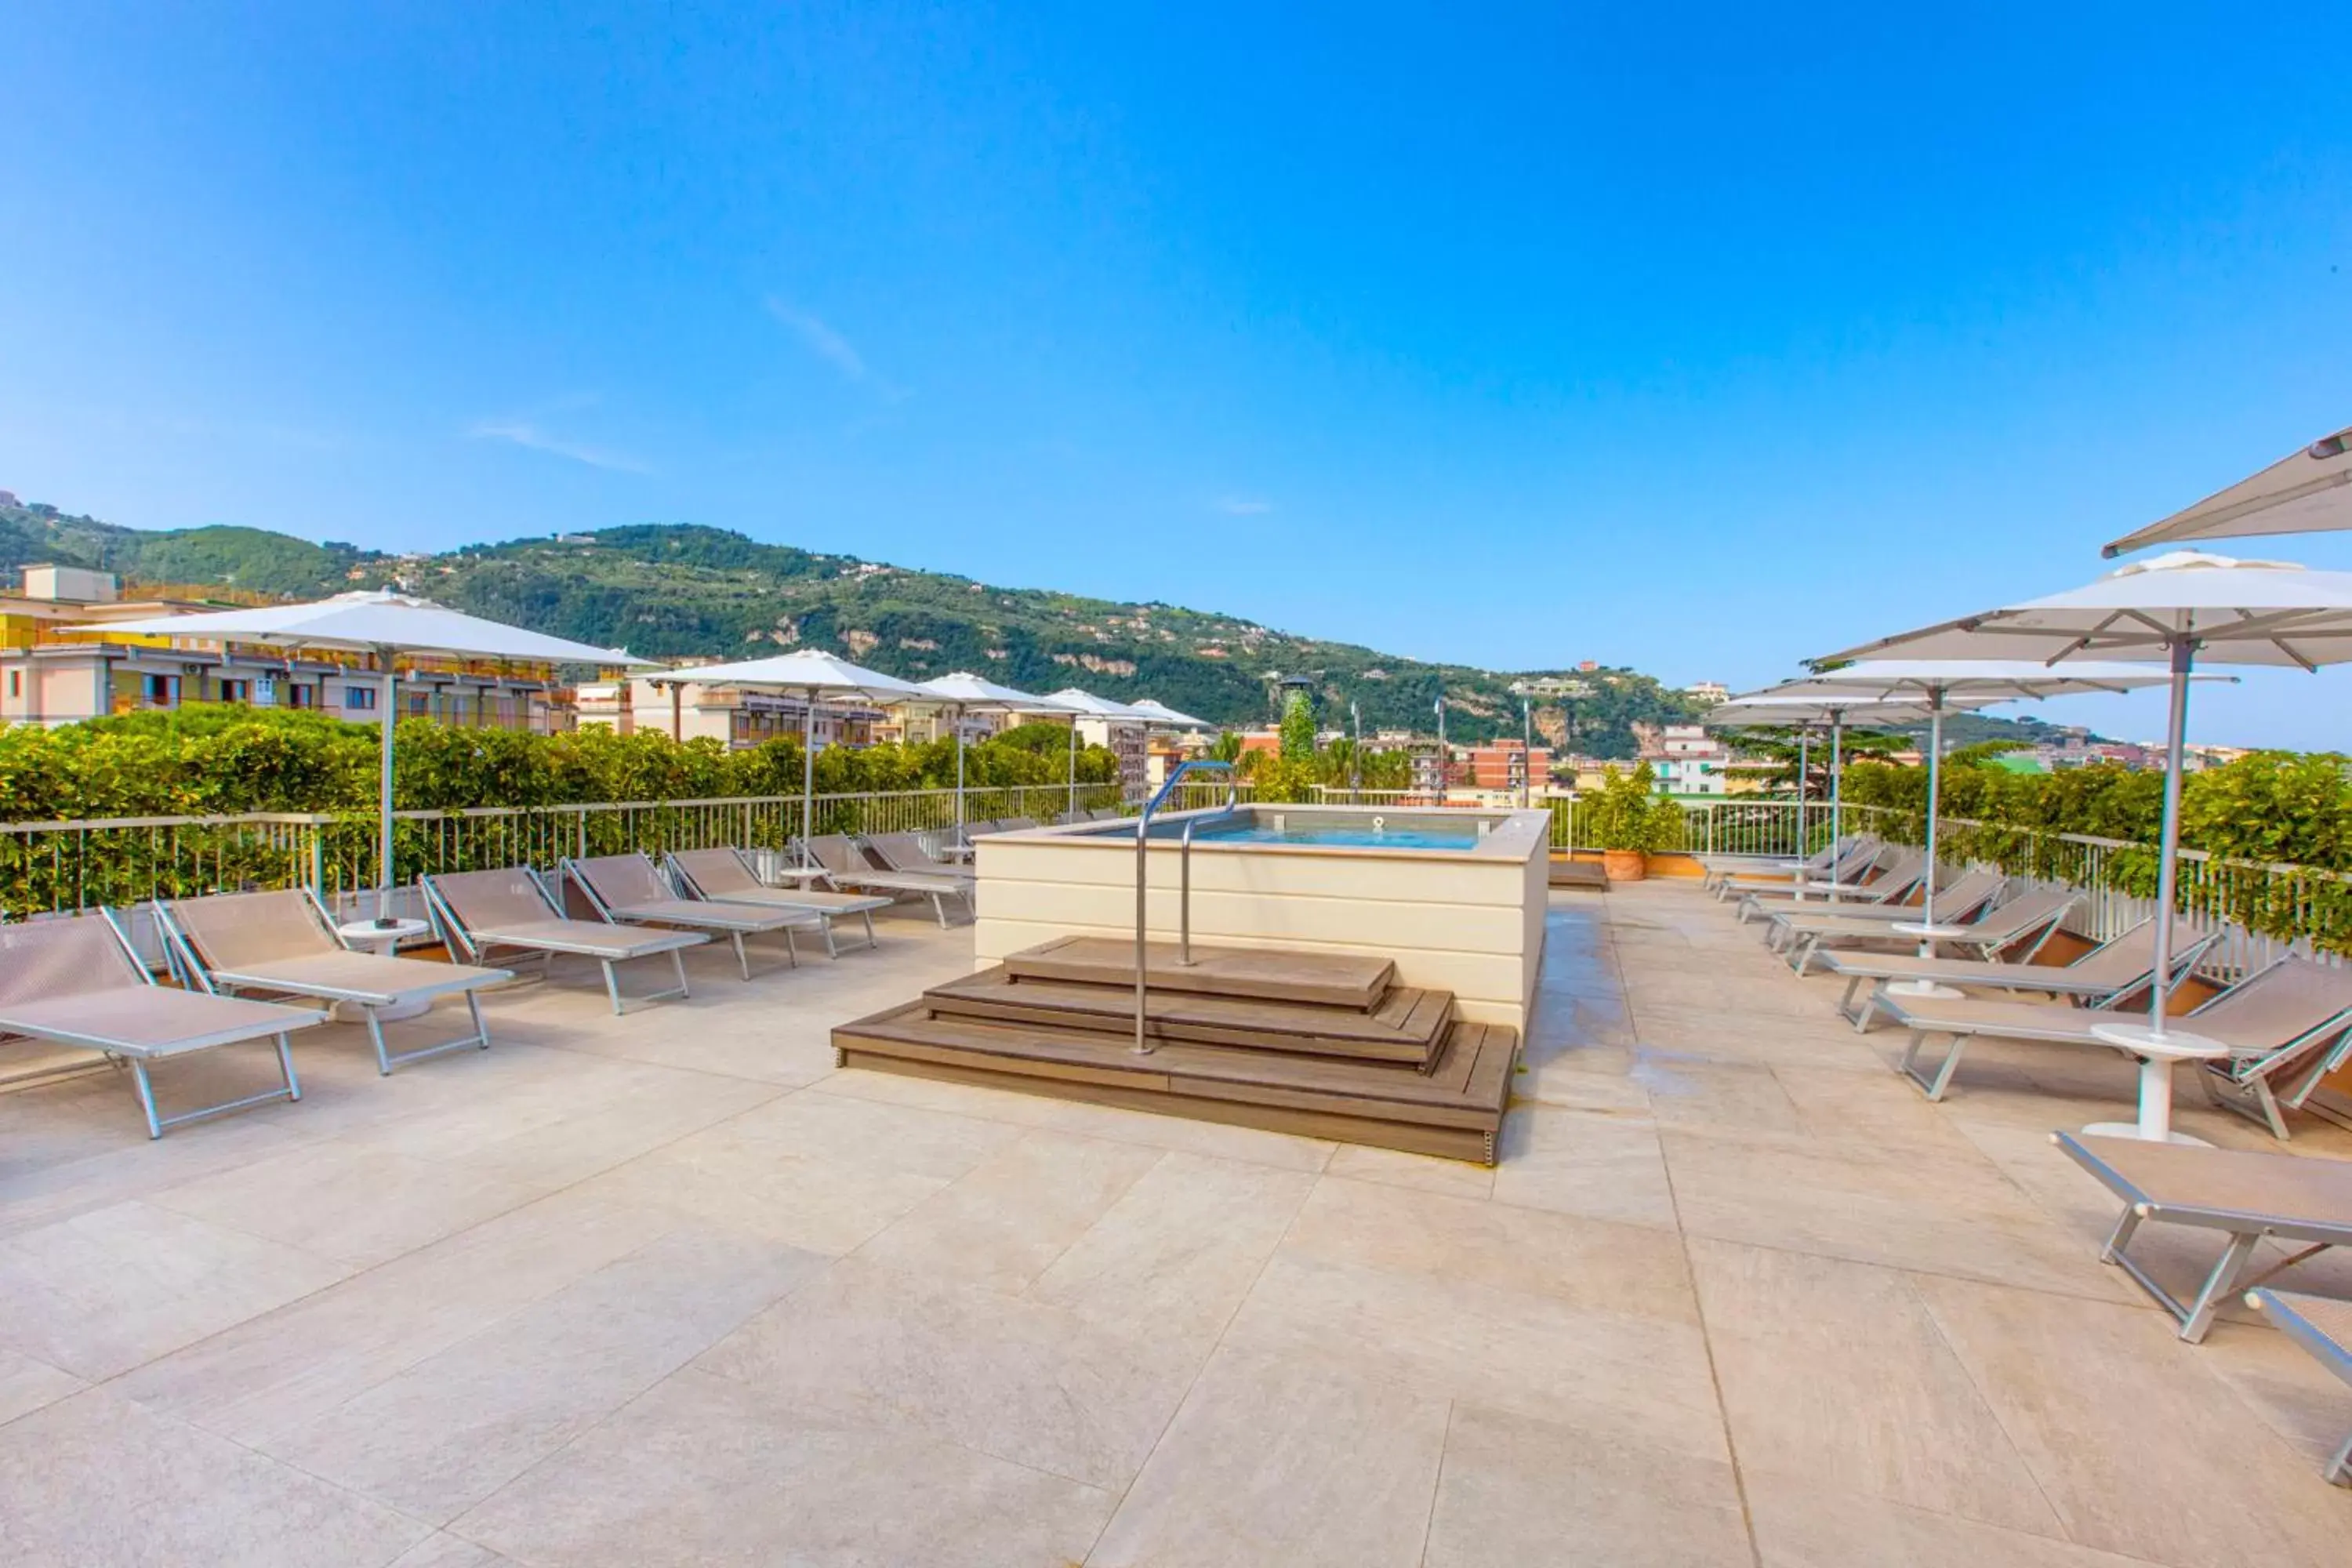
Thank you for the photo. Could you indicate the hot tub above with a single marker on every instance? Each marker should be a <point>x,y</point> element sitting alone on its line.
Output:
<point>1455,899</point>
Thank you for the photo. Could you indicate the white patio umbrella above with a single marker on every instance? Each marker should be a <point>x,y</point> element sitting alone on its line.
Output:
<point>818,677</point>
<point>386,625</point>
<point>2309,491</point>
<point>1950,686</point>
<point>1087,705</point>
<point>1166,718</point>
<point>2175,607</point>
<point>968,693</point>
<point>1805,714</point>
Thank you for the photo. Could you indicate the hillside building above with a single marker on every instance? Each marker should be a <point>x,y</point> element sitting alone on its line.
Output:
<point>736,717</point>
<point>50,676</point>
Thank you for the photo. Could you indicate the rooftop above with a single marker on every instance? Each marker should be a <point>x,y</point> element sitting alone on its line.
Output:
<point>667,1288</point>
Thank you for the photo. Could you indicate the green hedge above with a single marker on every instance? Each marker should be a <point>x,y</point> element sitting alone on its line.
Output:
<point>223,761</point>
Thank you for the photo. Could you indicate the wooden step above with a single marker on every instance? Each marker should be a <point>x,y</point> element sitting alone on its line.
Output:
<point>1455,1110</point>
<point>1566,873</point>
<point>1333,979</point>
<point>1408,1025</point>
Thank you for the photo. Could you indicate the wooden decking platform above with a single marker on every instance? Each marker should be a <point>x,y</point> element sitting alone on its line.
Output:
<point>1567,873</point>
<point>1254,1039</point>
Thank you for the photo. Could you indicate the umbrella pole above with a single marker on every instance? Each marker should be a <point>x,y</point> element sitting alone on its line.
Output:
<point>2168,841</point>
<point>808,778</point>
<point>958,732</point>
<point>1837,789</point>
<point>386,691</point>
<point>1804,763</point>
<point>1935,791</point>
<point>1074,767</point>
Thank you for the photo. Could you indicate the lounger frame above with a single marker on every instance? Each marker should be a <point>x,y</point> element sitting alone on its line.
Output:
<point>719,922</point>
<point>2285,1309</point>
<point>460,939</point>
<point>187,964</point>
<point>2231,1273</point>
<point>684,881</point>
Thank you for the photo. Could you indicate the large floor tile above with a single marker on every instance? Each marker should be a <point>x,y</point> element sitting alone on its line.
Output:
<point>1442,1238</point>
<point>1798,1524</point>
<point>354,1205</point>
<point>1021,1379</point>
<point>1589,1163</point>
<point>95,1481</point>
<point>1837,1372</point>
<point>1180,1248</point>
<point>1517,1491</point>
<point>2136,1442</point>
<point>100,1294</point>
<point>441,1436</point>
<point>26,1384</point>
<point>1686,1091</point>
<point>281,1370</point>
<point>708,1470</point>
<point>1294,1459</point>
<point>1393,1168</point>
<point>1617,1373</point>
<point>1004,1222</point>
<point>1904,1207</point>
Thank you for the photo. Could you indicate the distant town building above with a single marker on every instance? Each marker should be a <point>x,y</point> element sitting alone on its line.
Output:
<point>736,717</point>
<point>1685,759</point>
<point>1707,691</point>
<point>51,676</point>
<point>1506,765</point>
<point>8,497</point>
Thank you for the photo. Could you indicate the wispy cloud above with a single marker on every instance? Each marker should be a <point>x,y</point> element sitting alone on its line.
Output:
<point>821,338</point>
<point>1245,506</point>
<point>524,432</point>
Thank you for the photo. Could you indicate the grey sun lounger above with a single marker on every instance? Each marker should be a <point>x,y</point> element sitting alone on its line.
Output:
<point>1721,868</point>
<point>2102,977</point>
<point>1855,866</point>
<point>1894,878</point>
<point>480,912</point>
<point>75,982</point>
<point>905,853</point>
<point>2246,1194</point>
<point>1967,905</point>
<point>2293,1017</point>
<point>628,889</point>
<point>724,875</point>
<point>846,865</point>
<point>2322,1325</point>
<point>1015,823</point>
<point>283,942</point>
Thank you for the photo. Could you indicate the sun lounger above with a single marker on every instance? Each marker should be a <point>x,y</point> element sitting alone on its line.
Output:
<point>724,875</point>
<point>2292,1015</point>
<point>283,942</point>
<point>480,912</point>
<point>1016,824</point>
<point>905,853</point>
<point>2323,1326</point>
<point>2104,976</point>
<point>1720,868</point>
<point>1967,902</point>
<point>1894,878</point>
<point>628,889</point>
<point>2246,1194</point>
<point>1105,813</point>
<point>847,867</point>
<point>1857,865</point>
<point>75,982</point>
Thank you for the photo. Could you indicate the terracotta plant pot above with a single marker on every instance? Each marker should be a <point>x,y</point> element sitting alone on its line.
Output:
<point>1625,864</point>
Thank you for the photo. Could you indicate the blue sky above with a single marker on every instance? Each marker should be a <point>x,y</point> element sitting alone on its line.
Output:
<point>1701,341</point>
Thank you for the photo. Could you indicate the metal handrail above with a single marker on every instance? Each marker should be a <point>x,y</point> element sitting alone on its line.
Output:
<point>1184,869</point>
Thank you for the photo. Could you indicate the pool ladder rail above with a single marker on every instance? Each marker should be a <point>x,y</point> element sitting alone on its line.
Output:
<point>1184,873</point>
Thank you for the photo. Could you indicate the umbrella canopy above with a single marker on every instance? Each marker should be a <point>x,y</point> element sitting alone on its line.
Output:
<point>387,625</point>
<point>970,693</point>
<point>1955,685</point>
<point>1087,705</point>
<point>2177,607</point>
<point>1167,717</point>
<point>2309,491</point>
<point>1805,714</point>
<point>818,676</point>
<point>372,622</point>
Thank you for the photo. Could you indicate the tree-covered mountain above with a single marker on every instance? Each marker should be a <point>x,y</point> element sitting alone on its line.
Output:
<point>678,590</point>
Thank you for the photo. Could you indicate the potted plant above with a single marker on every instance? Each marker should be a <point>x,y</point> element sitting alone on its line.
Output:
<point>1626,820</point>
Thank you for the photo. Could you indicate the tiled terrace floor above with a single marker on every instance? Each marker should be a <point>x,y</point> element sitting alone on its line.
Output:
<point>668,1289</point>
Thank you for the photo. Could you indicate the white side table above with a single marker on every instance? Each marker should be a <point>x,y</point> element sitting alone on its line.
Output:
<point>1929,937</point>
<point>2157,1054</point>
<point>366,936</point>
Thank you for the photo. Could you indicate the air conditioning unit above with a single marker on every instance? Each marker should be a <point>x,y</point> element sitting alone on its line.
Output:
<point>191,670</point>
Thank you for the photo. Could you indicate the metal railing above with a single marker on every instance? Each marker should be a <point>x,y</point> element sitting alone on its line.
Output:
<point>1184,873</point>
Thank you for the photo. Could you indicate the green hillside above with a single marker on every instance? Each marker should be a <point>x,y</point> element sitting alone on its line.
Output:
<point>674,590</point>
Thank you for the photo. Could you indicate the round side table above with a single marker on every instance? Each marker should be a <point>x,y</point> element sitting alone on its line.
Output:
<point>2157,1053</point>
<point>366,936</point>
<point>1929,937</point>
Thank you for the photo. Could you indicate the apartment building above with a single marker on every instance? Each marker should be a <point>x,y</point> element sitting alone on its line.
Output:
<point>51,676</point>
<point>736,717</point>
